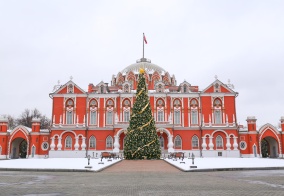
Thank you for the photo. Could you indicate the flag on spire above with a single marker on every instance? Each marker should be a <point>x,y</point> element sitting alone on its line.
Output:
<point>144,39</point>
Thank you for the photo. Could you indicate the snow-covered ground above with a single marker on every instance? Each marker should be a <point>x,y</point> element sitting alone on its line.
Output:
<point>217,163</point>
<point>80,163</point>
<point>57,163</point>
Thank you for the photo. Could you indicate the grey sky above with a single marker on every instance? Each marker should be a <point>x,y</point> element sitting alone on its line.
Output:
<point>45,41</point>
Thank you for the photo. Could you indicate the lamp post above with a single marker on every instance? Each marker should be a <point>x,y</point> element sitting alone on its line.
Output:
<point>88,166</point>
<point>192,158</point>
<point>89,157</point>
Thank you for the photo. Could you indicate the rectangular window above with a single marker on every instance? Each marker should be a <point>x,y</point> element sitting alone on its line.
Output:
<point>219,154</point>
<point>177,117</point>
<point>93,118</point>
<point>194,119</point>
<point>160,116</point>
<point>69,116</point>
<point>218,117</point>
<point>109,118</point>
<point>126,116</point>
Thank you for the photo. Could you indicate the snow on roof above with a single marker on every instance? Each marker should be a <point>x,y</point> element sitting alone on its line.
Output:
<point>149,67</point>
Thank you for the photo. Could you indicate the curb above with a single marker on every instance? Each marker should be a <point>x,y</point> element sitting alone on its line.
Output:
<point>226,169</point>
<point>108,166</point>
<point>56,170</point>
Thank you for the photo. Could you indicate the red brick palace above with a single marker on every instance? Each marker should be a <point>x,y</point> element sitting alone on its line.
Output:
<point>188,119</point>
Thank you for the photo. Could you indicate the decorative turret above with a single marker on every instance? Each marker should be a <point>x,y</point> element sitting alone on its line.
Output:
<point>35,125</point>
<point>251,120</point>
<point>282,123</point>
<point>3,124</point>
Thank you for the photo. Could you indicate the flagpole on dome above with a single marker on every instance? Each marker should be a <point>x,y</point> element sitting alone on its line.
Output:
<point>144,41</point>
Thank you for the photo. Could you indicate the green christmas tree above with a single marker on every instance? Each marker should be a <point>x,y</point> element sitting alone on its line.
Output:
<point>141,137</point>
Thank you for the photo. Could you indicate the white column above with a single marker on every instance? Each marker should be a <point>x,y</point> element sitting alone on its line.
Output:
<point>228,145</point>
<point>84,121</point>
<point>83,146</point>
<point>235,145</point>
<point>116,144</point>
<point>210,124</point>
<point>60,122</point>
<point>170,144</point>
<point>211,145</point>
<point>76,146</point>
<point>88,119</point>
<point>204,145</point>
<point>53,124</point>
<point>227,123</point>
<point>189,120</point>
<point>52,145</point>
<point>59,145</point>
<point>77,122</point>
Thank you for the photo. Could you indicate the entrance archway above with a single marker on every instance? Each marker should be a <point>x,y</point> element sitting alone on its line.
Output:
<point>18,148</point>
<point>269,147</point>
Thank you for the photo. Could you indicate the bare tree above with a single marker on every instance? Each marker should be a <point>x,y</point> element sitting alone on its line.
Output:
<point>11,121</point>
<point>27,116</point>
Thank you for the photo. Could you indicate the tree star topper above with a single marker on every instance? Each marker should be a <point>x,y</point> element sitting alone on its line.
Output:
<point>141,71</point>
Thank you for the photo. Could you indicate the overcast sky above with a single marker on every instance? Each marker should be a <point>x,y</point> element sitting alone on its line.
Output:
<point>42,42</point>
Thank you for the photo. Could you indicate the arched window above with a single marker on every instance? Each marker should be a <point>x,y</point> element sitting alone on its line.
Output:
<point>126,88</point>
<point>109,142</point>
<point>109,112</point>
<point>160,88</point>
<point>92,142</point>
<point>102,88</point>
<point>126,110</point>
<point>184,88</point>
<point>70,88</point>
<point>69,111</point>
<point>194,142</point>
<point>217,87</point>
<point>123,142</point>
<point>178,142</point>
<point>162,141</point>
<point>219,142</point>
<point>93,112</point>
<point>68,142</point>
<point>33,151</point>
<point>217,111</point>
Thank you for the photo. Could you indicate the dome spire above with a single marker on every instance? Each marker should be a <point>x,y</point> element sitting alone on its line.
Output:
<point>144,41</point>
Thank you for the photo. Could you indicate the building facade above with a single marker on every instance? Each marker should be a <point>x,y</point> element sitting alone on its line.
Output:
<point>188,119</point>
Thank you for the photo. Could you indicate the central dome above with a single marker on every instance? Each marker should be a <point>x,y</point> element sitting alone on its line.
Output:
<point>146,65</point>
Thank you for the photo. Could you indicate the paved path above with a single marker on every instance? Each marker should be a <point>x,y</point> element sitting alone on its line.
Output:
<point>149,180</point>
<point>142,166</point>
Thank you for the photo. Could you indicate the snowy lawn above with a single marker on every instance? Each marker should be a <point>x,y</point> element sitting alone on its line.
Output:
<point>217,163</point>
<point>57,163</point>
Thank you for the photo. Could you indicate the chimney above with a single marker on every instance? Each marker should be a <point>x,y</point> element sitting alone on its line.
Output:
<point>35,125</point>
<point>282,123</point>
<point>3,124</point>
<point>251,120</point>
